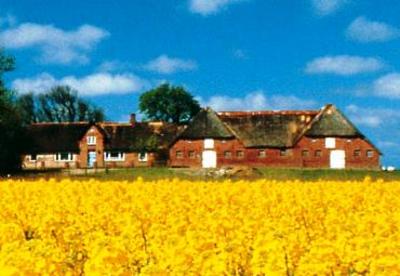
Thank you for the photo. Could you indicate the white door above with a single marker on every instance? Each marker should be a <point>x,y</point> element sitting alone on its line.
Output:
<point>91,158</point>
<point>338,159</point>
<point>209,159</point>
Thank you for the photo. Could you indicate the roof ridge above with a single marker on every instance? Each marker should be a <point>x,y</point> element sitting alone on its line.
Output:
<point>60,123</point>
<point>266,112</point>
<point>312,122</point>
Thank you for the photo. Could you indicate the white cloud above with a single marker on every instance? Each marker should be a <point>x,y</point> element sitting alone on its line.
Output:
<point>325,7</point>
<point>364,30</point>
<point>372,117</point>
<point>56,46</point>
<point>208,7</point>
<point>256,101</point>
<point>91,85</point>
<point>388,86</point>
<point>167,65</point>
<point>344,65</point>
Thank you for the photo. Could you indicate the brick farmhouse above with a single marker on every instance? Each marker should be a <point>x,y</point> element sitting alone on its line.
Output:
<point>297,139</point>
<point>98,145</point>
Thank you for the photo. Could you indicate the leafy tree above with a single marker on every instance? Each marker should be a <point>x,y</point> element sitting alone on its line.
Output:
<point>12,135</point>
<point>60,104</point>
<point>169,104</point>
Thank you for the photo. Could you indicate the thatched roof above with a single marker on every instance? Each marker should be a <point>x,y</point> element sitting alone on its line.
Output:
<point>272,129</point>
<point>206,124</point>
<point>135,138</point>
<point>65,137</point>
<point>56,137</point>
<point>254,129</point>
<point>331,122</point>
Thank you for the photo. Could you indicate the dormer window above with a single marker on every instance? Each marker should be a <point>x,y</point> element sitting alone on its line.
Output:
<point>91,140</point>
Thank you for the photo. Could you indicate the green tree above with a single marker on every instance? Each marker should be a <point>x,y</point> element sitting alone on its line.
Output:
<point>59,104</point>
<point>169,104</point>
<point>12,137</point>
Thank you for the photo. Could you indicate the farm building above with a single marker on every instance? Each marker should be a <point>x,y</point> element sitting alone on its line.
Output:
<point>98,145</point>
<point>299,139</point>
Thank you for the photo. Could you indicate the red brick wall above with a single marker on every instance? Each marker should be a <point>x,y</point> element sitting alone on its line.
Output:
<point>131,158</point>
<point>348,145</point>
<point>293,158</point>
<point>85,148</point>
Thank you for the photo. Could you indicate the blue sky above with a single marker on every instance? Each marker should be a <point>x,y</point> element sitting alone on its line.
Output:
<point>231,54</point>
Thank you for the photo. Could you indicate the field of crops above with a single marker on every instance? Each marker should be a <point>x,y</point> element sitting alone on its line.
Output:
<point>181,227</point>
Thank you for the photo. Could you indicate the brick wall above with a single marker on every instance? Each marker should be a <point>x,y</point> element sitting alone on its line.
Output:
<point>308,153</point>
<point>98,148</point>
<point>353,160</point>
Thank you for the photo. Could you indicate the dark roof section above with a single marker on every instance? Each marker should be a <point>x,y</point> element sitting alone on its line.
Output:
<point>136,138</point>
<point>65,137</point>
<point>206,124</point>
<point>330,122</point>
<point>277,129</point>
<point>56,137</point>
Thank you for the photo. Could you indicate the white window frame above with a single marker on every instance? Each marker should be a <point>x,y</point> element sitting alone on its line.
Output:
<point>145,158</point>
<point>208,143</point>
<point>57,157</point>
<point>330,143</point>
<point>91,140</point>
<point>108,157</point>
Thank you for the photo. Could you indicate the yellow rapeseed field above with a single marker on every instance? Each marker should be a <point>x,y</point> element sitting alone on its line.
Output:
<point>179,227</point>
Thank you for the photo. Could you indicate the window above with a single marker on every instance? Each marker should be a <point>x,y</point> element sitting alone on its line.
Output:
<point>192,154</point>
<point>179,154</point>
<point>357,153</point>
<point>64,156</point>
<point>330,143</point>
<point>370,153</point>
<point>305,153</point>
<point>240,154</point>
<point>114,156</point>
<point>318,153</point>
<point>142,156</point>
<point>262,154</point>
<point>91,140</point>
<point>33,157</point>
<point>285,152</point>
<point>208,143</point>
<point>228,154</point>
